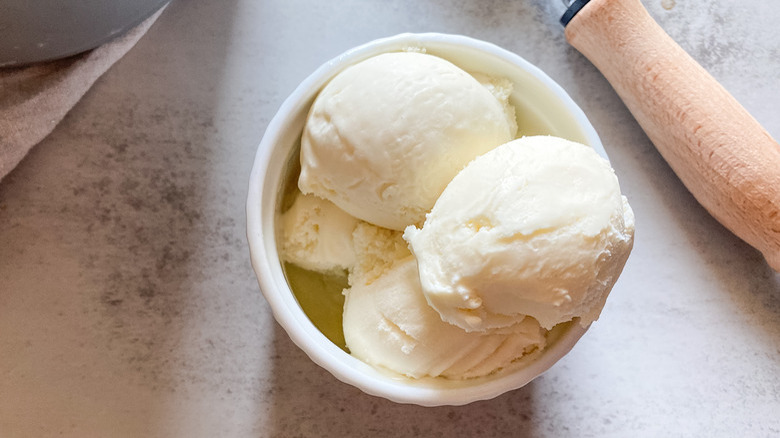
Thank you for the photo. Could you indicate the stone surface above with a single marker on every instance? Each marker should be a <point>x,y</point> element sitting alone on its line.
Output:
<point>128,306</point>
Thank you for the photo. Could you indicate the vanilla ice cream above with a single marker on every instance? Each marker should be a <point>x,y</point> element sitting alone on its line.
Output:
<point>463,246</point>
<point>317,235</point>
<point>536,227</point>
<point>385,136</point>
<point>388,323</point>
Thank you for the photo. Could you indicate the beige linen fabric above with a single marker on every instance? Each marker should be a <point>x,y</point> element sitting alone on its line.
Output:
<point>35,98</point>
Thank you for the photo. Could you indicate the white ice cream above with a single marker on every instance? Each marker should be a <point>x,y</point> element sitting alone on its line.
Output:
<point>386,135</point>
<point>508,238</point>
<point>535,227</point>
<point>317,235</point>
<point>388,323</point>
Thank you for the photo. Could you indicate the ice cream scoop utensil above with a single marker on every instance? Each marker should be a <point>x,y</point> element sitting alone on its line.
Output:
<point>724,157</point>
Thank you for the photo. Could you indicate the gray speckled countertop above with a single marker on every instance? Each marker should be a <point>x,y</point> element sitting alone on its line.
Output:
<point>128,306</point>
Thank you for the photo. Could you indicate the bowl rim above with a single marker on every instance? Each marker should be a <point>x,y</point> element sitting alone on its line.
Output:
<point>264,186</point>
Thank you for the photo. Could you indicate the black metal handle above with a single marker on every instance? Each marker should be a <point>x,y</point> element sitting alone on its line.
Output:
<point>572,11</point>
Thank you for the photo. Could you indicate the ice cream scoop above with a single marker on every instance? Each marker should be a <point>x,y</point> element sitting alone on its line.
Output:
<point>386,135</point>
<point>720,152</point>
<point>317,235</point>
<point>388,323</point>
<point>535,227</point>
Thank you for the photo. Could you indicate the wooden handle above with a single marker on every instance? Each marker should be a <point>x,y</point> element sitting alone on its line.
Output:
<point>719,151</point>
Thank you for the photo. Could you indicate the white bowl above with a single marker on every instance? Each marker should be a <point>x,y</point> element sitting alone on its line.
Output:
<point>543,107</point>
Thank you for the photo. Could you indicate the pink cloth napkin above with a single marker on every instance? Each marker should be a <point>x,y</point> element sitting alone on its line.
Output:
<point>34,99</point>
